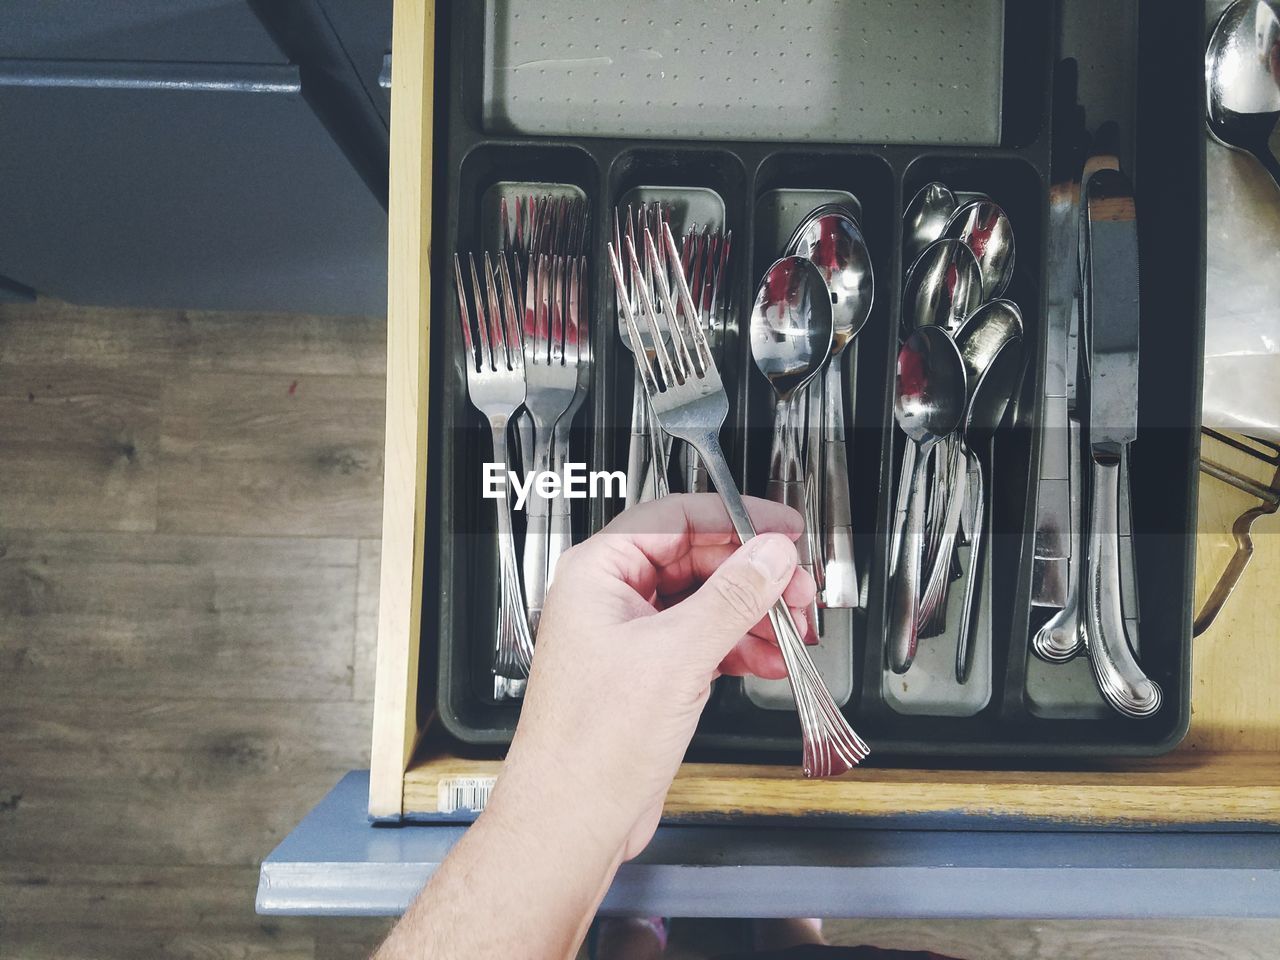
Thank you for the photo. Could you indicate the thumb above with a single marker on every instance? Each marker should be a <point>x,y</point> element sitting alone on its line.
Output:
<point>736,596</point>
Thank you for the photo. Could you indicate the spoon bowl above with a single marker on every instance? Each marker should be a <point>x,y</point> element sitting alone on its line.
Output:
<point>984,228</point>
<point>929,390</point>
<point>943,286</point>
<point>821,210</point>
<point>835,245</point>
<point>1242,79</point>
<point>926,218</point>
<point>791,328</point>
<point>990,344</point>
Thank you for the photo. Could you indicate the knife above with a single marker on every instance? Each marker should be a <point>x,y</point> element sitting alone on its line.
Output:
<point>1050,566</point>
<point>1111,345</point>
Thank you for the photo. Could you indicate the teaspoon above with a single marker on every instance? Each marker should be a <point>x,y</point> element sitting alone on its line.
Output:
<point>835,245</point>
<point>791,336</point>
<point>985,229</point>
<point>943,286</point>
<point>929,403</point>
<point>926,218</point>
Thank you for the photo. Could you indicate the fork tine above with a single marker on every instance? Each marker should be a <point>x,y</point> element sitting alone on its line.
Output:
<point>651,319</point>
<point>695,271</point>
<point>557,310</point>
<point>464,316</point>
<point>501,354</point>
<point>617,245</point>
<point>584,318</point>
<point>542,349</point>
<point>704,294</point>
<point>643,367</point>
<point>721,265</point>
<point>697,334</point>
<point>571,329</point>
<point>683,360</point>
<point>531,311</point>
<point>482,322</point>
<point>514,344</point>
<point>502,223</point>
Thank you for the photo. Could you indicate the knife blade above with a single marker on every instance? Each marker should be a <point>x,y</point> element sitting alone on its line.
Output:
<point>1113,311</point>
<point>1050,566</point>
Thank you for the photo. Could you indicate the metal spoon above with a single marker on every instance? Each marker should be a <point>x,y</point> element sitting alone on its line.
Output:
<point>943,286</point>
<point>835,245</point>
<point>926,218</point>
<point>929,403</point>
<point>984,228</point>
<point>822,210</point>
<point>791,335</point>
<point>991,345</point>
<point>1242,76</point>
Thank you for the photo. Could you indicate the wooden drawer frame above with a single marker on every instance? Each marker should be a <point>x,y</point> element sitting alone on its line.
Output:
<point>1226,773</point>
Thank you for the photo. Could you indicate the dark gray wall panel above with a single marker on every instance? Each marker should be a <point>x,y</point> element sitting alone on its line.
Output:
<point>225,31</point>
<point>183,186</point>
<point>364,28</point>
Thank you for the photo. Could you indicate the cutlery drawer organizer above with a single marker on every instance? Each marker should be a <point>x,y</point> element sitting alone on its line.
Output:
<point>446,681</point>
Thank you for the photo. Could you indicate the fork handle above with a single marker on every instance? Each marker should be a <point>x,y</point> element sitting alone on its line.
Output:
<point>637,445</point>
<point>830,745</point>
<point>560,532</point>
<point>513,643</point>
<point>537,524</point>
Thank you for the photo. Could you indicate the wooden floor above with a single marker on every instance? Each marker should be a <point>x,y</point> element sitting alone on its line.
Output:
<point>189,514</point>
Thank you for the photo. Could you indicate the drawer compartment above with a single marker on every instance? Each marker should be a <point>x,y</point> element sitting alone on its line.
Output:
<point>1209,784</point>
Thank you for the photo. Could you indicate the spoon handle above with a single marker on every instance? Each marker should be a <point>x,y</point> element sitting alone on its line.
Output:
<point>793,494</point>
<point>903,634</point>
<point>1269,155</point>
<point>840,573</point>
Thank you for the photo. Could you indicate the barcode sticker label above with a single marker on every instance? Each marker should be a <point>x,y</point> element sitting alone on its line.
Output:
<point>464,794</point>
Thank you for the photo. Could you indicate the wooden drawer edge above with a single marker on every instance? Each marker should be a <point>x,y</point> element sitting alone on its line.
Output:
<point>1184,790</point>
<point>395,724</point>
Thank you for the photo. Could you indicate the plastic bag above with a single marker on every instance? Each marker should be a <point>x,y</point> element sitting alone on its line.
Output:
<point>1242,296</point>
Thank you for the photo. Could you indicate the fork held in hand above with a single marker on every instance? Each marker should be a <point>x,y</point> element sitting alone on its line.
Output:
<point>689,401</point>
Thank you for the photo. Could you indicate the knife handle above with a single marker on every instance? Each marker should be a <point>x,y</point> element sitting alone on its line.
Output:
<point>1121,680</point>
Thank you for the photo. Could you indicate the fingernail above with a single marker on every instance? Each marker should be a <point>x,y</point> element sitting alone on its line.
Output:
<point>773,556</point>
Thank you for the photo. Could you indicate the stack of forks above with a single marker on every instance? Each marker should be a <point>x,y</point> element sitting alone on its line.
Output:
<point>528,355</point>
<point>703,260</point>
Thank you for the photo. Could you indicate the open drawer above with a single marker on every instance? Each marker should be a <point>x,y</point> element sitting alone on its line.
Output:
<point>1227,772</point>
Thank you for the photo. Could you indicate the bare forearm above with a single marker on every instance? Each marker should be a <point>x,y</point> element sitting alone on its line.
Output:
<point>524,881</point>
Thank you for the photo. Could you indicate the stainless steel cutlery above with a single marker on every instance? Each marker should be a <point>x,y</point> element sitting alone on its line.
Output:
<point>1083,556</point>
<point>1111,328</point>
<point>496,385</point>
<point>952,319</point>
<point>687,397</point>
<point>705,261</point>
<point>529,362</point>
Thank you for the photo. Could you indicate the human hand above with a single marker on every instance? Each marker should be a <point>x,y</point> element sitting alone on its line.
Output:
<point>639,621</point>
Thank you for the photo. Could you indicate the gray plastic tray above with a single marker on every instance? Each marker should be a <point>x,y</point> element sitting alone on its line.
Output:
<point>845,71</point>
